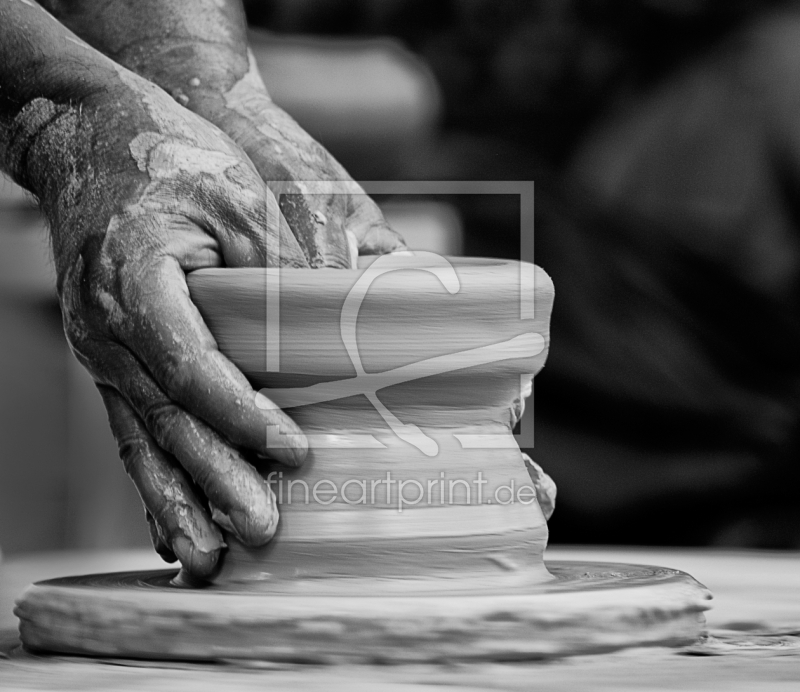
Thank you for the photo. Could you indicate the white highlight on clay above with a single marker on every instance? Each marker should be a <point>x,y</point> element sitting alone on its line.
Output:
<point>352,246</point>
<point>350,441</point>
<point>478,441</point>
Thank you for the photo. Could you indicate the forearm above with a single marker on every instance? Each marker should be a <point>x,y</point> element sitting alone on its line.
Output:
<point>196,51</point>
<point>49,76</point>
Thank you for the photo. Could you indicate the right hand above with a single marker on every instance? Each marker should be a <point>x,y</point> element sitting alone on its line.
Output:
<point>143,192</point>
<point>330,214</point>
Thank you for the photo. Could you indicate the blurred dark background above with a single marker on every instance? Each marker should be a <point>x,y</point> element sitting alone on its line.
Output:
<point>663,137</point>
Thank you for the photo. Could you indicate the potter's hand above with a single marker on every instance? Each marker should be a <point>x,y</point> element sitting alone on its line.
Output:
<point>138,191</point>
<point>544,486</point>
<point>170,394</point>
<point>178,408</point>
<point>325,219</point>
<point>197,52</point>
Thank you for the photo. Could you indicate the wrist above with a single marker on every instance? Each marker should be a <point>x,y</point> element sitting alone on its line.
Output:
<point>76,159</point>
<point>197,75</point>
<point>30,126</point>
<point>52,145</point>
<point>44,157</point>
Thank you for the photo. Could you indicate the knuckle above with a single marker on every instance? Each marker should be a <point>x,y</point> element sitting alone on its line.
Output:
<point>162,418</point>
<point>89,307</point>
<point>132,451</point>
<point>174,376</point>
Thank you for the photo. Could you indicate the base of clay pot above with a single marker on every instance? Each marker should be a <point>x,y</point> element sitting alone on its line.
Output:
<point>585,608</point>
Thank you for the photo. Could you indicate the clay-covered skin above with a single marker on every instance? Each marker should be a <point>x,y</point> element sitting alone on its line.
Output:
<point>138,191</point>
<point>197,52</point>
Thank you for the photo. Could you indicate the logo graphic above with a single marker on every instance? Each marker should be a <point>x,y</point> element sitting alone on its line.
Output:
<point>369,384</point>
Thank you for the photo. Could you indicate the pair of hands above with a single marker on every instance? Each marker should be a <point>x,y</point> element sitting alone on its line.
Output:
<point>142,192</point>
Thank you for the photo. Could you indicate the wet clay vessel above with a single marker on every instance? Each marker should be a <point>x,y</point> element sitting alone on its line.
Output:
<point>414,531</point>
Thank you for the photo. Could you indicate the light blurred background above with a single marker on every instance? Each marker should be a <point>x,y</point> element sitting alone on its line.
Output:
<point>663,137</point>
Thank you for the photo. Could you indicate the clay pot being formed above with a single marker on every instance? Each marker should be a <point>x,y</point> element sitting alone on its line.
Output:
<point>406,374</point>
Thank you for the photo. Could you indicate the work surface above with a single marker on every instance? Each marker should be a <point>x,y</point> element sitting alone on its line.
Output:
<point>754,642</point>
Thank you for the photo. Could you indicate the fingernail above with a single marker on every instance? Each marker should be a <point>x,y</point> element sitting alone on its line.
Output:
<point>254,533</point>
<point>200,563</point>
<point>250,532</point>
<point>283,435</point>
<point>286,448</point>
<point>183,548</point>
<point>297,446</point>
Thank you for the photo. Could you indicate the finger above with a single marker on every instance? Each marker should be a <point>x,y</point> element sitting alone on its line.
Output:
<point>545,487</point>
<point>380,240</point>
<point>183,528</point>
<point>314,215</point>
<point>159,539</point>
<point>252,231</point>
<point>255,234</point>
<point>239,499</point>
<point>169,335</point>
<point>235,208</point>
<point>365,221</point>
<point>317,221</point>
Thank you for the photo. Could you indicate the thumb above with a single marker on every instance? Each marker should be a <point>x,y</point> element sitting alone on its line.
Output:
<point>380,240</point>
<point>252,231</point>
<point>373,235</point>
